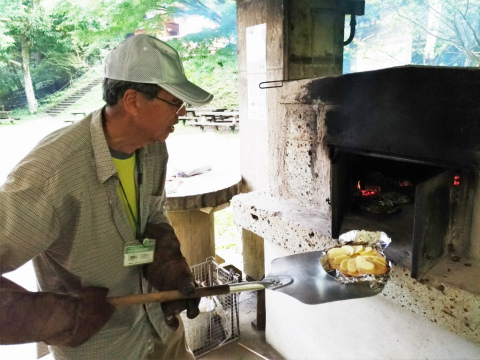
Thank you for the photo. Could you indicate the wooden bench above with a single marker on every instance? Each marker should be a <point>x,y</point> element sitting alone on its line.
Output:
<point>216,125</point>
<point>184,119</point>
<point>5,117</point>
<point>220,116</point>
<point>76,116</point>
<point>195,111</point>
<point>213,115</point>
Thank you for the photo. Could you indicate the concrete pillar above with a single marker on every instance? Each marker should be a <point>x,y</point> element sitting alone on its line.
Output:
<point>302,39</point>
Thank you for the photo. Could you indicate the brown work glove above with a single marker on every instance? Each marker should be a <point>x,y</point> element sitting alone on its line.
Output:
<point>170,271</point>
<point>55,319</point>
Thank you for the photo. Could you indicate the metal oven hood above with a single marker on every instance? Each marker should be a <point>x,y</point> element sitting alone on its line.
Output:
<point>424,114</point>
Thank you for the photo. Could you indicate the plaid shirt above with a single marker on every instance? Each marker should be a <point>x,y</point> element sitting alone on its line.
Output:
<point>60,207</point>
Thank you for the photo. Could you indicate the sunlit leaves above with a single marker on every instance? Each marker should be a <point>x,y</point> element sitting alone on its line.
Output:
<point>453,24</point>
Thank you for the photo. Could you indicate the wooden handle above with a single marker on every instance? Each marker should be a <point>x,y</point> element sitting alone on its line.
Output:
<point>164,296</point>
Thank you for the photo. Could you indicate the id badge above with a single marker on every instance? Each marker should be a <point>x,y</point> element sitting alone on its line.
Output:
<point>139,253</point>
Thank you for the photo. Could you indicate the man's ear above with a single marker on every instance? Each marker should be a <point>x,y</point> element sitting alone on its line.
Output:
<point>131,102</point>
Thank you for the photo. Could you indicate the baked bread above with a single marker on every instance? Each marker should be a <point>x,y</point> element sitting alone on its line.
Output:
<point>356,260</point>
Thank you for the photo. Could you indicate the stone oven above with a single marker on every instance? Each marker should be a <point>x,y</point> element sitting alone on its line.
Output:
<point>404,148</point>
<point>395,150</point>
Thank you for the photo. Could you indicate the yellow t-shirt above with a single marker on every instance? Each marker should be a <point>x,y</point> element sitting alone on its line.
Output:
<point>126,172</point>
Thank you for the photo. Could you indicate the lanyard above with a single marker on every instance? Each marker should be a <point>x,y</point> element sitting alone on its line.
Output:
<point>137,220</point>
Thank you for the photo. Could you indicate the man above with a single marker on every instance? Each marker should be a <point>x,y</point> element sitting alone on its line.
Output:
<point>87,205</point>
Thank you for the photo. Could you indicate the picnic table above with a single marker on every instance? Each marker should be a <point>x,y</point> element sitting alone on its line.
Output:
<point>191,203</point>
<point>195,113</point>
<point>5,117</point>
<point>217,120</point>
<point>185,118</point>
<point>217,116</point>
<point>77,115</point>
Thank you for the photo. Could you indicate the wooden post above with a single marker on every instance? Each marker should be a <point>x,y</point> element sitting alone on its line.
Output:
<point>253,255</point>
<point>191,207</point>
<point>195,230</point>
<point>261,320</point>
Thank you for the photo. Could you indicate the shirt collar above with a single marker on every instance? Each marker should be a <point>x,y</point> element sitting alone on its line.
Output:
<point>101,152</point>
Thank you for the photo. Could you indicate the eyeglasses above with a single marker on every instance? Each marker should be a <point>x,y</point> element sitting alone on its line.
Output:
<point>178,107</point>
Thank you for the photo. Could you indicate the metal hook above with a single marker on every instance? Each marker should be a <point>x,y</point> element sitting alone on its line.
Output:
<point>275,84</point>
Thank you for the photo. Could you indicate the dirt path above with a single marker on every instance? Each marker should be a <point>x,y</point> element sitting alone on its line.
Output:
<point>18,139</point>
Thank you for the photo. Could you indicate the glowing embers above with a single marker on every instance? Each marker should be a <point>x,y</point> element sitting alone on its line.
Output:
<point>371,190</point>
<point>404,183</point>
<point>456,180</point>
<point>382,195</point>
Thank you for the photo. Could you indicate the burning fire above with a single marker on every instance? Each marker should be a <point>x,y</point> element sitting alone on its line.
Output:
<point>368,192</point>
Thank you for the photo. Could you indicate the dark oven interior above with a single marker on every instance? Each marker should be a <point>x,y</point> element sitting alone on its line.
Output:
<point>421,206</point>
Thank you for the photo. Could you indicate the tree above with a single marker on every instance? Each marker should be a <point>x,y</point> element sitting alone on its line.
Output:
<point>103,24</point>
<point>446,32</point>
<point>21,24</point>
<point>37,43</point>
<point>33,48</point>
<point>211,55</point>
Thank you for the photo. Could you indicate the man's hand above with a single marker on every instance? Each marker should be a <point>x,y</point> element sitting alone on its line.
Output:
<point>94,311</point>
<point>170,271</point>
<point>55,319</point>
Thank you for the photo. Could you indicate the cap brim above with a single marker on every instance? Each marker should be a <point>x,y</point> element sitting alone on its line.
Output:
<point>188,92</point>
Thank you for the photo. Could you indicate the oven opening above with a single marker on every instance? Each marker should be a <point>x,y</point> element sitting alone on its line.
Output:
<point>409,201</point>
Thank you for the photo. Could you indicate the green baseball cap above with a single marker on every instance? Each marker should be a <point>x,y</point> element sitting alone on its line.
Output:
<point>146,59</point>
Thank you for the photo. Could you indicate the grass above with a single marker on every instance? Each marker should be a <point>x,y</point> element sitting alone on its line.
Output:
<point>228,235</point>
<point>90,102</point>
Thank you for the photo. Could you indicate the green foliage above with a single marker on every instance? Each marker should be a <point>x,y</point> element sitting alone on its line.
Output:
<point>82,81</point>
<point>75,35</point>
<point>210,56</point>
<point>211,39</point>
<point>89,103</point>
<point>54,56</point>
<point>227,234</point>
<point>5,40</point>
<point>216,73</point>
<point>100,23</point>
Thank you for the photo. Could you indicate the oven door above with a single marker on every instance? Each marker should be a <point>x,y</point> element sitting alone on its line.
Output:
<point>431,223</point>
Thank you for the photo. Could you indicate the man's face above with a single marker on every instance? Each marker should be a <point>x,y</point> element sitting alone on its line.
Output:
<point>160,115</point>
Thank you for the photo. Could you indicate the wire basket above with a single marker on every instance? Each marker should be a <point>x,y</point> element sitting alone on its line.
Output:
<point>218,323</point>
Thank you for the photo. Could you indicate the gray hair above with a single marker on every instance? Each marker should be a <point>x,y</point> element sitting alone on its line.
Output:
<point>113,90</point>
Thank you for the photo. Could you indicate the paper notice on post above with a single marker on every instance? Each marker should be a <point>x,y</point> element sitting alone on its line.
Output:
<point>256,71</point>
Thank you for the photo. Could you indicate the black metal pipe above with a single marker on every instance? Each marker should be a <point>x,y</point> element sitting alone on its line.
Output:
<point>353,23</point>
